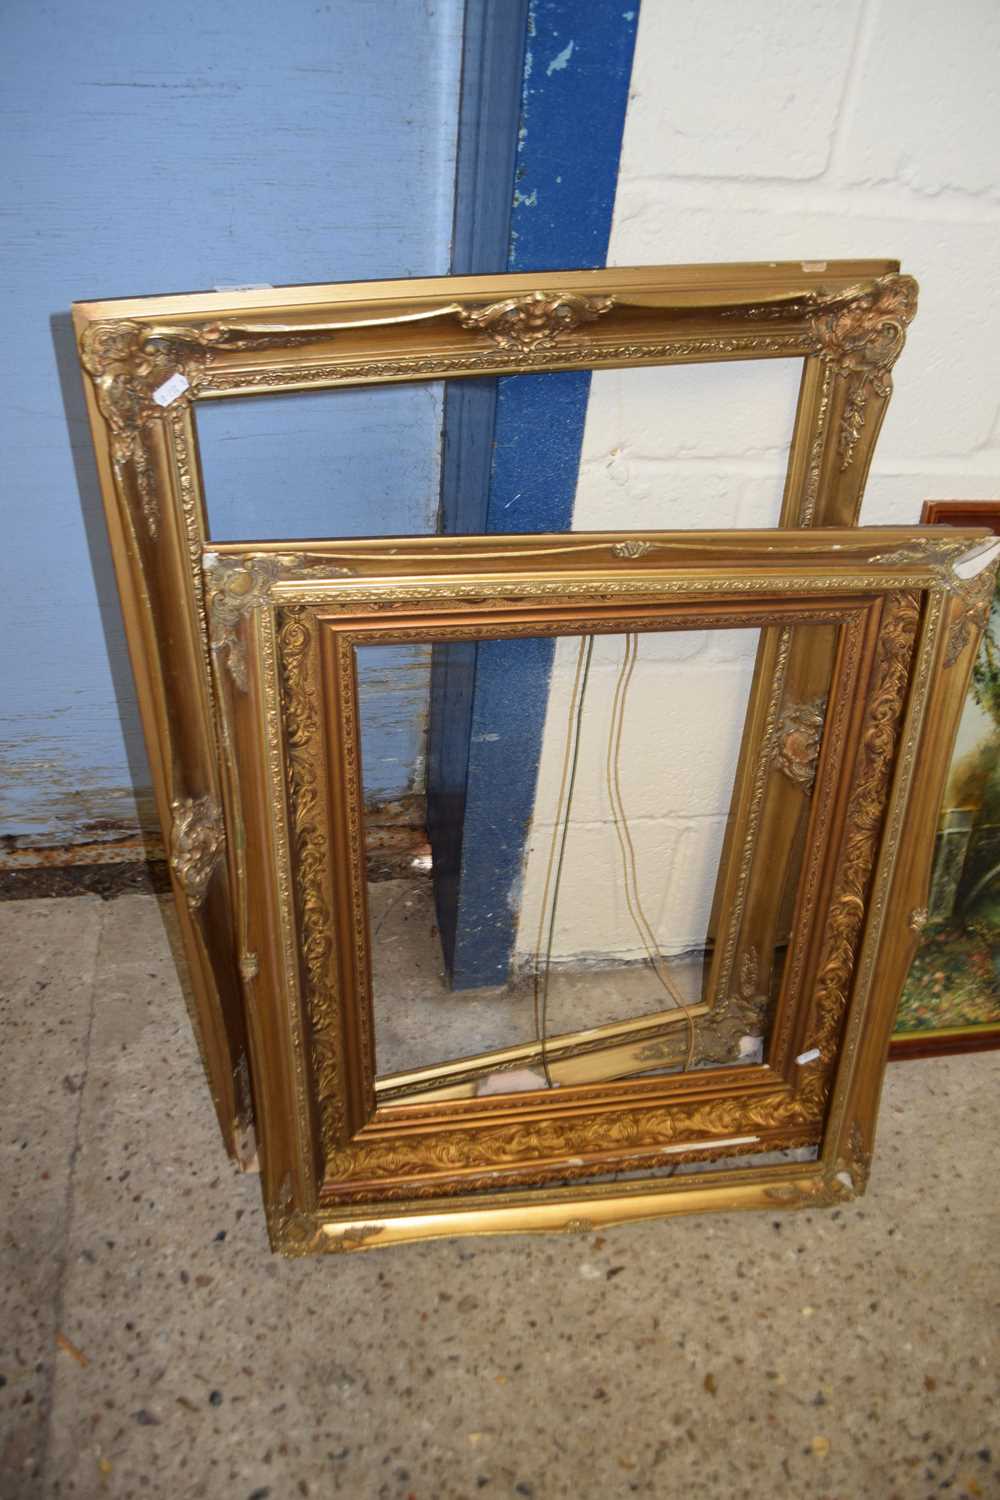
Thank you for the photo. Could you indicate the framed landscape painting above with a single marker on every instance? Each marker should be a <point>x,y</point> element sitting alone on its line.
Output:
<point>951,999</point>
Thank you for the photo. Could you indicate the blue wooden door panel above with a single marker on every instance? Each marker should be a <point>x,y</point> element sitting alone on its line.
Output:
<point>512,453</point>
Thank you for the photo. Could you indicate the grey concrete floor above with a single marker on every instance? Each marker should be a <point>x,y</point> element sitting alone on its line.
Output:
<point>421,1022</point>
<point>153,1347</point>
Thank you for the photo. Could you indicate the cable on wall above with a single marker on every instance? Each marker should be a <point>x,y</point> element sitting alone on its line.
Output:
<point>560,833</point>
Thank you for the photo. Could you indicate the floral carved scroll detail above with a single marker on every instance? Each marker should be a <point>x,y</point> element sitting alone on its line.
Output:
<point>819,1192</point>
<point>742,1013</point>
<point>977,596</point>
<point>543,1150</point>
<point>857,1159</point>
<point>798,733</point>
<point>864,820</point>
<point>197,837</point>
<point>976,593</point>
<point>838,1181</point>
<point>301,698</point>
<point>535,319</point>
<point>861,335</point>
<point>298,1234</point>
<point>239,585</point>
<point>632,548</point>
<point>140,370</point>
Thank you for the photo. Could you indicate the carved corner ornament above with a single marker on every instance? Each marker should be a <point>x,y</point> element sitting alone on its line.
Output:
<point>861,334</point>
<point>296,1234</point>
<point>197,837</point>
<point>977,598</point>
<point>975,592</point>
<point>838,1181</point>
<point>534,320</point>
<point>140,370</point>
<point>239,585</point>
<point>797,740</point>
<point>742,1013</point>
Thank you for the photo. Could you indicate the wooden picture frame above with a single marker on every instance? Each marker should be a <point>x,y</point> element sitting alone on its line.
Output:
<point>342,1169</point>
<point>149,361</point>
<point>939,1041</point>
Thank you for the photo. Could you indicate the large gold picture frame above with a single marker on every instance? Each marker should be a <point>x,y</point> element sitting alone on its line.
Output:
<point>345,1166</point>
<point>149,361</point>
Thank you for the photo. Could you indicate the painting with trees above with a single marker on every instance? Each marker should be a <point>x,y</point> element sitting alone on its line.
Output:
<point>951,1000</point>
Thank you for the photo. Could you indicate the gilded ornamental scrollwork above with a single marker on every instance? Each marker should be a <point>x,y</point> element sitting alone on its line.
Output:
<point>140,370</point>
<point>861,335</point>
<point>197,837</point>
<point>976,595</point>
<point>238,586</point>
<point>534,320</point>
<point>243,690</point>
<point>864,817</point>
<point>300,689</point>
<point>797,740</point>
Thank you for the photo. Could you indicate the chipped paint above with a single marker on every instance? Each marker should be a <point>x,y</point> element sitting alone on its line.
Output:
<point>48,798</point>
<point>561,60</point>
<point>394,696</point>
<point>124,850</point>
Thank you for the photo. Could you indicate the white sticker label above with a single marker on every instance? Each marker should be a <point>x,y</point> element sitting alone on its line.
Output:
<point>171,389</point>
<point>809,1056</point>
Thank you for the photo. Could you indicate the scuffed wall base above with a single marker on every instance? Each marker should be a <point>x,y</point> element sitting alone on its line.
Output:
<point>119,861</point>
<point>105,869</point>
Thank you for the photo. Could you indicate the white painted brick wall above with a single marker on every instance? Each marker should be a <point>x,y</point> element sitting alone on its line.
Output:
<point>792,130</point>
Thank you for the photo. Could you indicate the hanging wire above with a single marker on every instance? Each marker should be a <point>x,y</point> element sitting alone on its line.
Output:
<point>560,832</point>
<point>557,847</point>
<point>629,864</point>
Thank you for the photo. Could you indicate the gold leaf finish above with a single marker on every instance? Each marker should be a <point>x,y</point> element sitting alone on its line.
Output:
<point>479,1165</point>
<point>196,840</point>
<point>237,587</point>
<point>861,336</point>
<point>535,320</point>
<point>866,808</point>
<point>131,363</point>
<point>797,741</point>
<point>307,797</point>
<point>977,598</point>
<point>632,548</point>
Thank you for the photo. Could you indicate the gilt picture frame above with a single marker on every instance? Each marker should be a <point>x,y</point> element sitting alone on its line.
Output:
<point>149,362</point>
<point>951,996</point>
<point>343,1169</point>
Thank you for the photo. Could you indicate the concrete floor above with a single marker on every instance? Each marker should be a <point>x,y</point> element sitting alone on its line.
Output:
<point>153,1347</point>
<point>421,1022</point>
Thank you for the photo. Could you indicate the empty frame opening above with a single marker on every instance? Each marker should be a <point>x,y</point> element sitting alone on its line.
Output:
<point>613,963</point>
<point>658,447</point>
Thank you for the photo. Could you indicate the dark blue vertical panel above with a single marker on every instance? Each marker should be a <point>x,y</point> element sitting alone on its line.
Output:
<point>519,458</point>
<point>493,50</point>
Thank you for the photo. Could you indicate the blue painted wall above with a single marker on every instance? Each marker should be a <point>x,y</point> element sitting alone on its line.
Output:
<point>157,148</point>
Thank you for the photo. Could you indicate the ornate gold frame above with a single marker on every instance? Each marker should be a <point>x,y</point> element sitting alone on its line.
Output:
<point>148,361</point>
<point>342,1168</point>
<point>978,1038</point>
